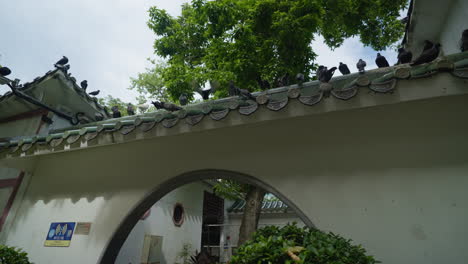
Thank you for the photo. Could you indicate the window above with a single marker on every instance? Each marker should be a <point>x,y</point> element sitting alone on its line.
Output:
<point>178,214</point>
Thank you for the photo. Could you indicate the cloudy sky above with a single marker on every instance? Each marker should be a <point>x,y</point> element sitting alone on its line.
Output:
<point>107,41</point>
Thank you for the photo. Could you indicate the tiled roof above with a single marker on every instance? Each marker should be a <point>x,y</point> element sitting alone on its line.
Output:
<point>28,88</point>
<point>111,131</point>
<point>267,207</point>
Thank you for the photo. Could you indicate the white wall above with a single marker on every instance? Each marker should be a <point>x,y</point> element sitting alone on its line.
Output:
<point>392,178</point>
<point>455,23</point>
<point>160,223</point>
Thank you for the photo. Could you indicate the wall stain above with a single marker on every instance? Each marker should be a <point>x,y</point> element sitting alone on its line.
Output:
<point>417,231</point>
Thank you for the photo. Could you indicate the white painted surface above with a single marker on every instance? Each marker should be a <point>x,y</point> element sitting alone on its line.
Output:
<point>392,178</point>
<point>455,23</point>
<point>160,223</point>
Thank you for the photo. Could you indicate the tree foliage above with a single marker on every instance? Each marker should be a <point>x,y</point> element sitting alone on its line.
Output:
<point>10,255</point>
<point>251,40</point>
<point>150,84</point>
<point>291,244</point>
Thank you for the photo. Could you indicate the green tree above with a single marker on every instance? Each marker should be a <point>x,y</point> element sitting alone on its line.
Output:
<point>150,84</point>
<point>251,40</point>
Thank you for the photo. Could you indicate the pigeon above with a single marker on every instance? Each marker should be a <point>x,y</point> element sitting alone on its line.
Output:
<point>427,55</point>
<point>130,109</point>
<point>300,78</point>
<point>344,69</point>
<point>183,99</point>
<point>361,65</point>
<point>427,45</point>
<point>264,84</point>
<point>115,112</point>
<point>404,56</point>
<point>84,85</point>
<point>205,94</point>
<point>381,61</point>
<point>324,74</point>
<point>94,93</point>
<point>62,61</point>
<point>4,71</point>
<point>285,79</point>
<point>234,90</point>
<point>167,106</point>
<point>464,41</point>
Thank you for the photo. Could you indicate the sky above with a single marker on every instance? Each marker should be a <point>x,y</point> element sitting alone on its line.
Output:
<point>107,41</point>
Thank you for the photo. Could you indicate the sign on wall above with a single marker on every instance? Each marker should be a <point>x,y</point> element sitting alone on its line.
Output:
<point>82,228</point>
<point>60,234</point>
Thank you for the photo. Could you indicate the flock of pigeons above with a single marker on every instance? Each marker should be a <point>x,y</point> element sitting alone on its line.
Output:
<point>430,52</point>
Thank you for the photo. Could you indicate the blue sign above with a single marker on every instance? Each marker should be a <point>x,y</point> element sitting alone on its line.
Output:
<point>60,234</point>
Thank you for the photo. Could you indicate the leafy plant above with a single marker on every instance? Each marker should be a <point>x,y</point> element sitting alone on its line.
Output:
<point>185,253</point>
<point>291,244</point>
<point>13,255</point>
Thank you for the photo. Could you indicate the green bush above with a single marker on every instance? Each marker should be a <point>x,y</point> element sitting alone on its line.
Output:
<point>13,255</point>
<point>291,244</point>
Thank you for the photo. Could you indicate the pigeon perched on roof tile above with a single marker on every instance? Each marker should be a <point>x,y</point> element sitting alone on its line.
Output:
<point>427,55</point>
<point>62,61</point>
<point>285,79</point>
<point>324,74</point>
<point>205,94</point>
<point>404,56</point>
<point>427,45</point>
<point>115,112</point>
<point>130,109</point>
<point>84,85</point>
<point>300,78</point>
<point>183,99</point>
<point>464,41</point>
<point>240,92</point>
<point>233,90</point>
<point>94,93</point>
<point>361,65</point>
<point>381,61</point>
<point>167,106</point>
<point>4,71</point>
<point>344,69</point>
<point>264,84</point>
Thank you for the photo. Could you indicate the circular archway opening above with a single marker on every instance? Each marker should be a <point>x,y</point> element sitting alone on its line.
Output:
<point>180,215</point>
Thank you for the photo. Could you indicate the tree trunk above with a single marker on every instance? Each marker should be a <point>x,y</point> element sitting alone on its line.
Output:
<point>252,210</point>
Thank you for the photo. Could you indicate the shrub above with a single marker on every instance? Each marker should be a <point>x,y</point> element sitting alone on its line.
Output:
<point>13,255</point>
<point>291,244</point>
